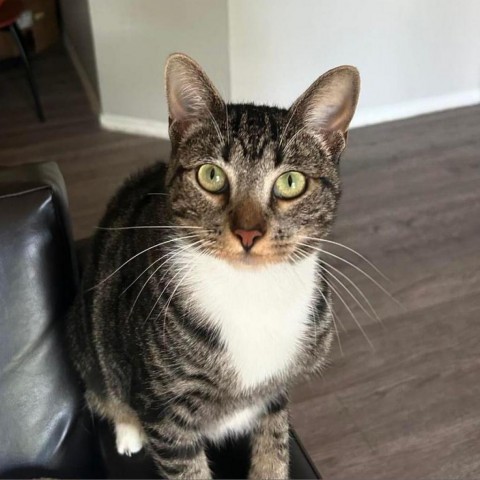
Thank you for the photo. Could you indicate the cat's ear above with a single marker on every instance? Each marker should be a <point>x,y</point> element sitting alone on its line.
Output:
<point>330,102</point>
<point>191,96</point>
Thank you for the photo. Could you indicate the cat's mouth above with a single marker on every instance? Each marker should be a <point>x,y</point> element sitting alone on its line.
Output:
<point>251,259</point>
<point>262,254</point>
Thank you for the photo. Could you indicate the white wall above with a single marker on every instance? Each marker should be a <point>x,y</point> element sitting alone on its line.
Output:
<point>414,56</point>
<point>77,29</point>
<point>132,41</point>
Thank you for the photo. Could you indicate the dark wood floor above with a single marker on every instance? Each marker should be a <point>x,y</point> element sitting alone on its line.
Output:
<point>409,407</point>
<point>93,161</point>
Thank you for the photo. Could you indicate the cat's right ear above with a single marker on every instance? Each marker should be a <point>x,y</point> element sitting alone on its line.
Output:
<point>191,96</point>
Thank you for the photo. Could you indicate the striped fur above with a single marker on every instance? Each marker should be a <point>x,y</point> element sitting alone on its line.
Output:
<point>193,340</point>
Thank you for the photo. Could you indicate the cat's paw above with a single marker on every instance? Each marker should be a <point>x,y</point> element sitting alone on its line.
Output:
<point>129,439</point>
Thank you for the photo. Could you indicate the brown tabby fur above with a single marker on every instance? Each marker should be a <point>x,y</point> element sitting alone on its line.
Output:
<point>144,358</point>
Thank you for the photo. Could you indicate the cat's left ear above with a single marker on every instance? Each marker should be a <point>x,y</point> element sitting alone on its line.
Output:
<point>191,96</point>
<point>330,102</point>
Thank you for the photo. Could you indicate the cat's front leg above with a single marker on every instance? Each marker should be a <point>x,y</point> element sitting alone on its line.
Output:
<point>270,444</point>
<point>177,452</point>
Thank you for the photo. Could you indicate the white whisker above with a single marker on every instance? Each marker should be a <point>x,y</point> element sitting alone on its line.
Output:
<point>350,250</point>
<point>174,254</point>
<point>162,292</point>
<point>151,227</point>
<point>321,250</point>
<point>298,132</point>
<point>303,255</point>
<point>154,263</point>
<point>292,114</point>
<point>327,303</point>
<point>330,308</point>
<point>135,256</point>
<point>350,312</point>
<point>167,304</point>
<point>356,288</point>
<point>188,247</point>
<point>336,333</point>
<point>217,128</point>
<point>227,121</point>
<point>144,271</point>
<point>335,315</point>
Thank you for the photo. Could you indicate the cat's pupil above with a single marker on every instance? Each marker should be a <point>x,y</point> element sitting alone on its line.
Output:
<point>290,181</point>
<point>212,174</point>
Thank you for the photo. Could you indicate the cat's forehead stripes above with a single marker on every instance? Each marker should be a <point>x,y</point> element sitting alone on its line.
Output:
<point>254,129</point>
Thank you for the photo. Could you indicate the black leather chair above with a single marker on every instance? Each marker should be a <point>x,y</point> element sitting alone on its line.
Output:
<point>44,428</point>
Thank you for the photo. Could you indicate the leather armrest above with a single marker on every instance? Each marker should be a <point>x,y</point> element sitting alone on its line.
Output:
<point>42,424</point>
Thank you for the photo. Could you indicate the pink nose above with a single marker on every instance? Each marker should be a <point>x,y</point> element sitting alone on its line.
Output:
<point>247,237</point>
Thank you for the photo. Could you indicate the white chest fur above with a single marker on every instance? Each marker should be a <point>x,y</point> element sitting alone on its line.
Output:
<point>262,314</point>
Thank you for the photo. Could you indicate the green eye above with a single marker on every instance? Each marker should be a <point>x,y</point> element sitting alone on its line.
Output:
<point>212,178</point>
<point>290,185</point>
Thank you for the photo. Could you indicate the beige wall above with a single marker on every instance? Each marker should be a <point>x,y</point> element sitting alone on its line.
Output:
<point>78,30</point>
<point>414,56</point>
<point>133,39</point>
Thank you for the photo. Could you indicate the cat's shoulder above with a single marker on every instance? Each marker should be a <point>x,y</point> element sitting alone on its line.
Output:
<point>149,180</point>
<point>129,206</point>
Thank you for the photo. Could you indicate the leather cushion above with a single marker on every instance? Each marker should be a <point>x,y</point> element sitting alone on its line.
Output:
<point>231,460</point>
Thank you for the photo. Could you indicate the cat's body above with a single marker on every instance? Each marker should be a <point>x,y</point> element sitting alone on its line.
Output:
<point>245,349</point>
<point>180,341</point>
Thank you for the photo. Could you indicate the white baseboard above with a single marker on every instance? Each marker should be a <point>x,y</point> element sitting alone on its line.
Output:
<point>364,117</point>
<point>138,126</point>
<point>82,74</point>
<point>413,108</point>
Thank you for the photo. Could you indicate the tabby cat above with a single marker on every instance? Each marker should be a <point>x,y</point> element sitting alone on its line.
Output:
<point>204,299</point>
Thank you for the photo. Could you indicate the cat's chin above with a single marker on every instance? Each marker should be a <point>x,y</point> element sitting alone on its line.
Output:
<point>252,260</point>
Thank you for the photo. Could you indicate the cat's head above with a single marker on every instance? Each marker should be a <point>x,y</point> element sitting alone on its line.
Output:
<point>259,181</point>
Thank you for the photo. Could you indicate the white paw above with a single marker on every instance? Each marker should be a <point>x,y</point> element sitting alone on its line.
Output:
<point>129,439</point>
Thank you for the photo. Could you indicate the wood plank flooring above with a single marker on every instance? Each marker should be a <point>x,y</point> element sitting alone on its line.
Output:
<point>409,407</point>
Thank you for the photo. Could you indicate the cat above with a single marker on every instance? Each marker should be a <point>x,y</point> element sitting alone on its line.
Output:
<point>204,299</point>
